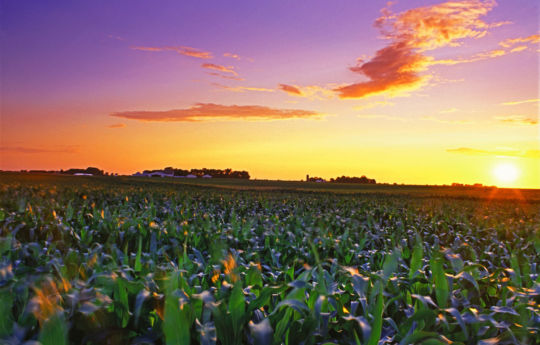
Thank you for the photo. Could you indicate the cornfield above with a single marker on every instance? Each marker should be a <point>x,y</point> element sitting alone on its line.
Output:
<point>120,261</point>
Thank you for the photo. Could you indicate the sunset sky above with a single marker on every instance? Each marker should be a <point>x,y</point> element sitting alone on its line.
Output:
<point>420,92</point>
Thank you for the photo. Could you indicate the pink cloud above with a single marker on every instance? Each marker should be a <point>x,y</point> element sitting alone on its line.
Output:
<point>216,112</point>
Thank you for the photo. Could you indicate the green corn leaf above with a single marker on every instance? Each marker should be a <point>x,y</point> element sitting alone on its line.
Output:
<point>6,317</point>
<point>138,265</point>
<point>121,301</point>
<point>54,331</point>
<point>175,322</point>
<point>237,308</point>
<point>439,280</point>
<point>416,260</point>
<point>516,278</point>
<point>376,328</point>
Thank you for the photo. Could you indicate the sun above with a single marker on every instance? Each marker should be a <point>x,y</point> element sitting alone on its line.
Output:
<point>506,173</point>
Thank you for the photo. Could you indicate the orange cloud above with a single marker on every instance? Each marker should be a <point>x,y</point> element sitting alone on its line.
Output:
<point>290,89</point>
<point>117,125</point>
<point>216,112</point>
<point>187,51</point>
<point>396,67</point>
<point>517,119</point>
<point>508,152</point>
<point>242,88</point>
<point>220,68</point>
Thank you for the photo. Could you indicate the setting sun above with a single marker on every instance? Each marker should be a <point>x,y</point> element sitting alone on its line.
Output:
<point>506,173</point>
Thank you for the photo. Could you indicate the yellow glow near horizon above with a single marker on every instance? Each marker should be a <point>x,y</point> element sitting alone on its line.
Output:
<point>506,173</point>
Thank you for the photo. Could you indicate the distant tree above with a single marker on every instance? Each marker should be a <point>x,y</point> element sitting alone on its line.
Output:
<point>90,170</point>
<point>348,179</point>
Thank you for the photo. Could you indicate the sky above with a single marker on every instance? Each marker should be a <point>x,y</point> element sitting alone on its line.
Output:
<point>416,92</point>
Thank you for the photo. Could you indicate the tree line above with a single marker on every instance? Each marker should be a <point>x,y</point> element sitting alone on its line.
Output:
<point>215,173</point>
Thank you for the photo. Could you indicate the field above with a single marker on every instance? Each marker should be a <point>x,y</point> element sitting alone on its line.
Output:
<point>104,260</point>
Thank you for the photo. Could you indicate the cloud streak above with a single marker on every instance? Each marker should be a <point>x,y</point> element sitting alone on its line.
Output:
<point>397,67</point>
<point>534,39</point>
<point>507,152</point>
<point>217,112</point>
<point>229,77</point>
<point>182,50</point>
<point>243,88</point>
<point>309,91</point>
<point>237,57</point>
<point>220,68</point>
<point>517,120</point>
<point>117,125</point>
<point>533,100</point>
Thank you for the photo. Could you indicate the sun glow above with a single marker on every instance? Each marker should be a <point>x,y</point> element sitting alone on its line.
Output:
<point>506,173</point>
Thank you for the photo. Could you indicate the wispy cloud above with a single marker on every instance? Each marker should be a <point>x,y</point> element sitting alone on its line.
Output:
<point>396,67</point>
<point>237,57</point>
<point>474,58</point>
<point>37,150</point>
<point>242,88</point>
<point>310,91</point>
<point>517,119</point>
<point>117,125</point>
<point>218,112</point>
<point>182,50</point>
<point>507,49</point>
<point>230,77</point>
<point>290,89</point>
<point>232,56</point>
<point>532,100</point>
<point>506,152</point>
<point>224,69</point>
<point>518,49</point>
<point>513,41</point>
